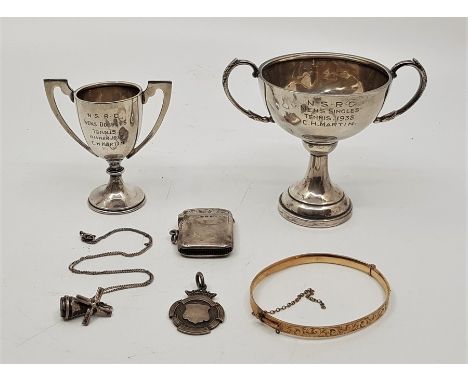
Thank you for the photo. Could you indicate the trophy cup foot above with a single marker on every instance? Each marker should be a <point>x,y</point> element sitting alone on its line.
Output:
<point>315,201</point>
<point>130,198</point>
<point>116,197</point>
<point>314,215</point>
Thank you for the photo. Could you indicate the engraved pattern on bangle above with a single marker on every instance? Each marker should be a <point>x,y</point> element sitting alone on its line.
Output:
<point>320,331</point>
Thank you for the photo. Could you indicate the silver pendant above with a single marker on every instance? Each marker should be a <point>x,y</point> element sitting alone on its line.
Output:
<point>198,313</point>
<point>72,307</point>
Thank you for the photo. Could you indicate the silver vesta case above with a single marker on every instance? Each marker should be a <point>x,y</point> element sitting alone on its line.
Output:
<point>204,232</point>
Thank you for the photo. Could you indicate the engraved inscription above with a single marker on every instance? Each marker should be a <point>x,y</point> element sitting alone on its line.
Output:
<point>329,113</point>
<point>107,130</point>
<point>321,113</point>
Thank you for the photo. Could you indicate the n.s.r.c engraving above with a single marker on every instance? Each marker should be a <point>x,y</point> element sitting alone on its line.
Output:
<point>107,129</point>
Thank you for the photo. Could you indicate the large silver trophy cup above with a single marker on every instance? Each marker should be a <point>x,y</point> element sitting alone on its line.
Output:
<point>110,116</point>
<point>322,98</point>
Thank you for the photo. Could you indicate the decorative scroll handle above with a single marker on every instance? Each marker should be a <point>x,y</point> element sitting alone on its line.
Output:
<point>227,73</point>
<point>422,85</point>
<point>153,86</point>
<point>49,86</point>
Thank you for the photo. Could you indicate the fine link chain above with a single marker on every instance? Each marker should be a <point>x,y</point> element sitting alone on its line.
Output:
<point>308,294</point>
<point>92,239</point>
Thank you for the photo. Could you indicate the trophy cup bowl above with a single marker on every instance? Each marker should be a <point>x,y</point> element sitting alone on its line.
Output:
<point>110,116</point>
<point>322,98</point>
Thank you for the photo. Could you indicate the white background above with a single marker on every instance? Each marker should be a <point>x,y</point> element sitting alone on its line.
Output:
<point>406,179</point>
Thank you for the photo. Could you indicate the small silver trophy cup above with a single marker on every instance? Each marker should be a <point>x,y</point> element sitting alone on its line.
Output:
<point>110,116</point>
<point>322,98</point>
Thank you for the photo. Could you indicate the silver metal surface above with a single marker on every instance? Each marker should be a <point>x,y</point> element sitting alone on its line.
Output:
<point>204,232</point>
<point>110,118</point>
<point>197,314</point>
<point>322,98</point>
<point>72,307</point>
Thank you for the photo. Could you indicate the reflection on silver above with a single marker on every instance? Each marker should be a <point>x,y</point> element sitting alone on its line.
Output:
<point>323,76</point>
<point>322,98</point>
<point>110,117</point>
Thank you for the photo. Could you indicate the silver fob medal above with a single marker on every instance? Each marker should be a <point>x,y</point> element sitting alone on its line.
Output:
<point>198,313</point>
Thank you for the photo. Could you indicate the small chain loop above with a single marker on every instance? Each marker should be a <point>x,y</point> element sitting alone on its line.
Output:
<point>308,294</point>
<point>92,239</point>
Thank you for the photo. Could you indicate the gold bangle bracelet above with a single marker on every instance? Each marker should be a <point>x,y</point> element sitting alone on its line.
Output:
<point>319,331</point>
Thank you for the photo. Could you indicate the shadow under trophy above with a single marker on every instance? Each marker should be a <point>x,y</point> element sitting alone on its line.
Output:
<point>322,98</point>
<point>110,116</point>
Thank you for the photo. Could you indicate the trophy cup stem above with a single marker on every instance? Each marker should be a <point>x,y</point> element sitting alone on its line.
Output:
<point>116,197</point>
<point>115,169</point>
<point>316,183</point>
<point>315,201</point>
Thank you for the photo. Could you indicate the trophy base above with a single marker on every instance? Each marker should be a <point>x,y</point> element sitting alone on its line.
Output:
<point>107,201</point>
<point>116,197</point>
<point>314,215</point>
<point>315,201</point>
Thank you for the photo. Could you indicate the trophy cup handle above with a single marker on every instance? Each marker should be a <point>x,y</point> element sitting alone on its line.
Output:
<point>227,73</point>
<point>422,85</point>
<point>50,85</point>
<point>153,86</point>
